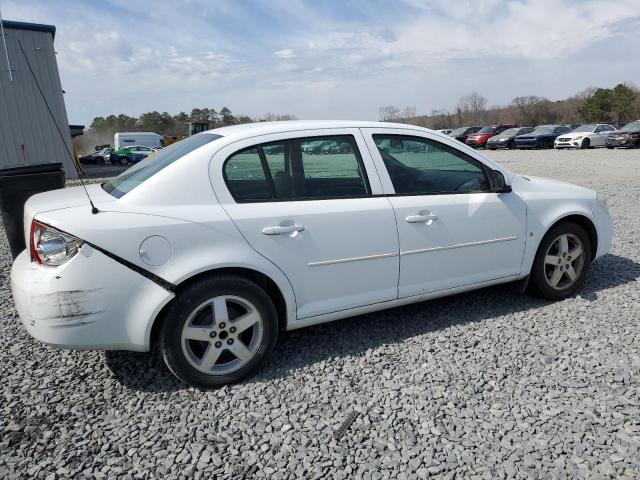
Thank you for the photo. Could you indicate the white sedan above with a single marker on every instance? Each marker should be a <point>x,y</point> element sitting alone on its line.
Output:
<point>210,247</point>
<point>585,136</point>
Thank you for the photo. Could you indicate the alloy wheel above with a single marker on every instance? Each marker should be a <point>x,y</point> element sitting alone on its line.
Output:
<point>564,261</point>
<point>222,335</point>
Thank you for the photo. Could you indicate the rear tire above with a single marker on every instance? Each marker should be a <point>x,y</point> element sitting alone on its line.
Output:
<point>562,261</point>
<point>218,331</point>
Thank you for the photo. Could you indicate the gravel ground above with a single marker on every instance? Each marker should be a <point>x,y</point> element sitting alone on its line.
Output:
<point>489,384</point>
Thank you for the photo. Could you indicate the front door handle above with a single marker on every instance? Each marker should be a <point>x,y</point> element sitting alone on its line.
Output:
<point>421,218</point>
<point>282,229</point>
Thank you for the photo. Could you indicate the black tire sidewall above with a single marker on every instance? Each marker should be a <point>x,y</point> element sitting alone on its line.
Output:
<point>193,296</point>
<point>538,269</point>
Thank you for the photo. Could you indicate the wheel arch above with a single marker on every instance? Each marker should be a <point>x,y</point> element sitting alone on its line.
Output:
<point>264,281</point>
<point>586,223</point>
<point>580,219</point>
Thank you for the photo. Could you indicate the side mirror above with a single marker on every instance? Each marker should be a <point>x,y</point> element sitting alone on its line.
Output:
<point>498,183</point>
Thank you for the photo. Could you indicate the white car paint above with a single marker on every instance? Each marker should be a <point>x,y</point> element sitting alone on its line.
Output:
<point>597,134</point>
<point>354,255</point>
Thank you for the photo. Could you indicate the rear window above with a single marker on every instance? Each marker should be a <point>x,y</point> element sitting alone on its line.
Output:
<point>131,178</point>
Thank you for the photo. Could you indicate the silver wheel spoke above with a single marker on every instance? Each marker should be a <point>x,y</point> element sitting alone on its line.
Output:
<point>576,252</point>
<point>556,276</point>
<point>563,246</point>
<point>552,260</point>
<point>210,357</point>
<point>241,351</point>
<point>246,321</point>
<point>197,333</point>
<point>571,273</point>
<point>220,312</point>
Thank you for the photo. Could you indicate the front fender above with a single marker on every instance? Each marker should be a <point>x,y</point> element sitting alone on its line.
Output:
<point>548,202</point>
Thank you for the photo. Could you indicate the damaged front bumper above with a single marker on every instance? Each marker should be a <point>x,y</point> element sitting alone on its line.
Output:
<point>90,302</point>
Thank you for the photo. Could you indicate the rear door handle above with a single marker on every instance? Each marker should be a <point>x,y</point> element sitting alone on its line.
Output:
<point>280,229</point>
<point>421,218</point>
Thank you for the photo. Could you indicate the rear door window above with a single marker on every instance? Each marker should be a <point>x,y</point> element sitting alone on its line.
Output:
<point>301,169</point>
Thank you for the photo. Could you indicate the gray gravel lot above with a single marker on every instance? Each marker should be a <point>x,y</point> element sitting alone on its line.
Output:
<point>489,384</point>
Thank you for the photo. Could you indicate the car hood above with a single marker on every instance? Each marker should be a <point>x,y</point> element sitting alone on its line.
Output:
<point>625,132</point>
<point>528,186</point>
<point>574,134</point>
<point>536,135</point>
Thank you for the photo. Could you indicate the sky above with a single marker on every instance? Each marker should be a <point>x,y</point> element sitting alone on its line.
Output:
<point>330,59</point>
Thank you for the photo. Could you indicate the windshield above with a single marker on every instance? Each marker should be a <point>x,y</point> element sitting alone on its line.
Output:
<point>488,130</point>
<point>540,130</point>
<point>508,133</point>
<point>631,126</point>
<point>459,131</point>
<point>584,128</point>
<point>131,178</point>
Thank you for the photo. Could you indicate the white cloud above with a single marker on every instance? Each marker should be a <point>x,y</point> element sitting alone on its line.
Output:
<point>286,53</point>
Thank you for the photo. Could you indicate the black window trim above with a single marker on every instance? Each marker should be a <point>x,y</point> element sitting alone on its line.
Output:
<point>485,168</point>
<point>267,172</point>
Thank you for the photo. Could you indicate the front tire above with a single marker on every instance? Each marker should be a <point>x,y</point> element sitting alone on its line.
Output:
<point>218,331</point>
<point>562,261</point>
<point>586,143</point>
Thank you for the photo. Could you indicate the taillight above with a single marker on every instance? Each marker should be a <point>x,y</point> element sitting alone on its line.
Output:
<point>50,246</point>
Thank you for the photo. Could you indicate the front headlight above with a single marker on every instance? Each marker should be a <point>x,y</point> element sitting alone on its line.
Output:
<point>578,138</point>
<point>602,200</point>
<point>50,246</point>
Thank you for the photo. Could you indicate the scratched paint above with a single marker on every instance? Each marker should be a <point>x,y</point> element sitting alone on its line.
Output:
<point>66,308</point>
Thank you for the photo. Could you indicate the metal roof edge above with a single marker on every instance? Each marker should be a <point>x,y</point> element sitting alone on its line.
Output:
<point>36,27</point>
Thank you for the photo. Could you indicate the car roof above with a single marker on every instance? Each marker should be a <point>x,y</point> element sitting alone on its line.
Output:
<point>266,128</point>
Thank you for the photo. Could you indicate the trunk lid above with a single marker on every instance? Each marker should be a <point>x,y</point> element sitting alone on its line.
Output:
<point>61,199</point>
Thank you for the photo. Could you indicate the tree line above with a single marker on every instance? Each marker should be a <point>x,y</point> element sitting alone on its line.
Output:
<point>620,103</point>
<point>175,125</point>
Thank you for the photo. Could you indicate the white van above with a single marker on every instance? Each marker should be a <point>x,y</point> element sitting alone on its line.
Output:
<point>127,139</point>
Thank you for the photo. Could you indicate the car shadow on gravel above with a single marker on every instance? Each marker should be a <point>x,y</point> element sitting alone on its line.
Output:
<point>354,336</point>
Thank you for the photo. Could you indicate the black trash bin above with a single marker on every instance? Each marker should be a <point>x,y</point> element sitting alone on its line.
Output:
<point>17,184</point>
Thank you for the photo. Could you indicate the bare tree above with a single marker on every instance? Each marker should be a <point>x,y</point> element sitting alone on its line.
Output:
<point>440,119</point>
<point>472,108</point>
<point>532,110</point>
<point>274,117</point>
<point>389,113</point>
<point>408,113</point>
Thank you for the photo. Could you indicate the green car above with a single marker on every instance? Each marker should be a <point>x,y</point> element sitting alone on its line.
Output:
<point>132,154</point>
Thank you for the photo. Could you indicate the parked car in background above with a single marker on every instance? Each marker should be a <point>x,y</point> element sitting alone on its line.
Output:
<point>617,124</point>
<point>542,137</point>
<point>628,136</point>
<point>479,139</point>
<point>315,148</point>
<point>445,131</point>
<point>207,250</point>
<point>506,138</point>
<point>133,154</point>
<point>97,157</point>
<point>585,136</point>
<point>462,133</point>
